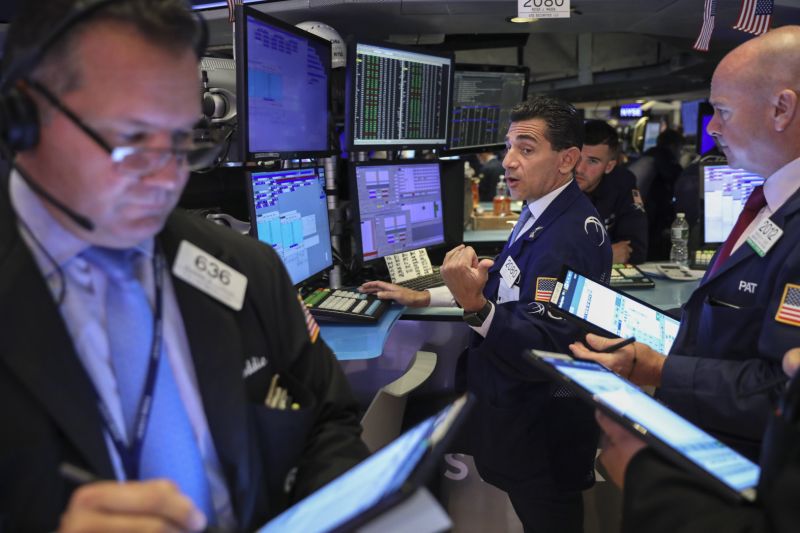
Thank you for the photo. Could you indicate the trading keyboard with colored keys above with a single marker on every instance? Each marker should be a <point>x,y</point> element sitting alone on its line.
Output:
<point>345,305</point>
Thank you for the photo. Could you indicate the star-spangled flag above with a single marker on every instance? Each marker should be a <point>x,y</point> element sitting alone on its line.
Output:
<point>755,16</point>
<point>709,14</point>
<point>231,5</point>
<point>544,289</point>
<point>311,324</point>
<point>789,309</point>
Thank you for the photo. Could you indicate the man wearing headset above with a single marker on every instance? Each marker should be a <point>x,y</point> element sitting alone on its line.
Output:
<point>140,343</point>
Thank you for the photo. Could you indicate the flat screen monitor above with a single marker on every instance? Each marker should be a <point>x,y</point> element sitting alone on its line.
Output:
<point>397,98</point>
<point>689,117</point>
<point>283,88</point>
<point>482,102</point>
<point>705,140</point>
<point>725,191</point>
<point>651,131</point>
<point>289,211</point>
<point>399,206</point>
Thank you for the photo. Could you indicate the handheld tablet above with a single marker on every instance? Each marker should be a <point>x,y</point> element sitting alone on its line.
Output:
<point>663,429</point>
<point>378,483</point>
<point>610,312</point>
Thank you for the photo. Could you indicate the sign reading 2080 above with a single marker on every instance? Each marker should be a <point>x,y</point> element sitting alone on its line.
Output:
<point>543,8</point>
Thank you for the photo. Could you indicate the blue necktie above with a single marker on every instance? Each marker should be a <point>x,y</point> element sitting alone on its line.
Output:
<point>170,448</point>
<point>524,215</point>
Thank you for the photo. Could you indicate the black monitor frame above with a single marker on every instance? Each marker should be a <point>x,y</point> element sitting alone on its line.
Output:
<point>243,109</point>
<point>469,67</point>
<point>358,245</point>
<point>251,206</point>
<point>350,98</point>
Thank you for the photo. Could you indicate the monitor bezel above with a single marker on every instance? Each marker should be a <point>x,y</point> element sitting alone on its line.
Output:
<point>243,108</point>
<point>471,67</point>
<point>350,98</point>
<point>251,207</point>
<point>358,245</point>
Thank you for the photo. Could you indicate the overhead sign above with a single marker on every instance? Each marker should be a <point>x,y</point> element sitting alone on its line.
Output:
<point>543,9</point>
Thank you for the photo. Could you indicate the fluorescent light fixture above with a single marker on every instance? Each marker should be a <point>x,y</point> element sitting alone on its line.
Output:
<point>522,20</point>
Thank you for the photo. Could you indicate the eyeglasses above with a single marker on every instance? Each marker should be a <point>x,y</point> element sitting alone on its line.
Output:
<point>139,160</point>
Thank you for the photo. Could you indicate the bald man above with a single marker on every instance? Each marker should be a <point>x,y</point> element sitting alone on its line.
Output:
<point>746,312</point>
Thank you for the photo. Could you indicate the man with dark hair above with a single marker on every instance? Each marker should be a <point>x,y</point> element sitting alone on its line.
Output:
<point>613,192</point>
<point>139,342</point>
<point>490,172</point>
<point>528,436</point>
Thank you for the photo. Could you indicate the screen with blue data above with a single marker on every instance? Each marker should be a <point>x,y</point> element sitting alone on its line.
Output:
<point>400,207</point>
<point>616,313</point>
<point>691,442</point>
<point>482,102</point>
<point>290,213</point>
<point>725,191</point>
<point>287,82</point>
<point>364,486</point>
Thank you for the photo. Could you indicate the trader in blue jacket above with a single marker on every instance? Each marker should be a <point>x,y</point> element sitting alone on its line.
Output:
<point>528,437</point>
<point>746,312</point>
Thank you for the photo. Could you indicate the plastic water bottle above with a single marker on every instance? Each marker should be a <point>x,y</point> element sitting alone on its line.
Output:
<point>500,200</point>
<point>680,241</point>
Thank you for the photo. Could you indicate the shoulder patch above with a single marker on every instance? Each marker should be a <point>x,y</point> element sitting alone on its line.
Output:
<point>789,308</point>
<point>595,230</point>
<point>311,324</point>
<point>544,289</point>
<point>637,199</point>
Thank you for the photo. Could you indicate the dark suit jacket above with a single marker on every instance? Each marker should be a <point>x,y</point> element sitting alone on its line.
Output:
<point>620,206</point>
<point>49,416</point>
<point>731,342</point>
<point>525,434</point>
<point>660,497</point>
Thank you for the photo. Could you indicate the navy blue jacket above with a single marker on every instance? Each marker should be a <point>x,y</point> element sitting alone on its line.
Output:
<point>525,432</point>
<point>620,206</point>
<point>726,352</point>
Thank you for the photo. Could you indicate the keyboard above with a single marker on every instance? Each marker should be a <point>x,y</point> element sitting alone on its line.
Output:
<point>345,305</point>
<point>625,276</point>
<point>428,281</point>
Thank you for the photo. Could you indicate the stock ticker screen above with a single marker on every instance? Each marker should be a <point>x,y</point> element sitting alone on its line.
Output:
<point>400,97</point>
<point>290,213</point>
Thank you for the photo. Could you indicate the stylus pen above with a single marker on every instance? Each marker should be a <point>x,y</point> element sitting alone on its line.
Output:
<point>79,476</point>
<point>617,346</point>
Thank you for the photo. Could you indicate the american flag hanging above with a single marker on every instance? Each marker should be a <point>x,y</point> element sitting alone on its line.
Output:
<point>755,16</point>
<point>231,5</point>
<point>709,13</point>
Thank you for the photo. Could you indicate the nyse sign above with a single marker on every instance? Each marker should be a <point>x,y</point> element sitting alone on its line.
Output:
<point>542,9</point>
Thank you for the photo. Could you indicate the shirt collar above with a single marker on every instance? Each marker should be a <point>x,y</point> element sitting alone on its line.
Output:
<point>539,205</point>
<point>36,221</point>
<point>779,187</point>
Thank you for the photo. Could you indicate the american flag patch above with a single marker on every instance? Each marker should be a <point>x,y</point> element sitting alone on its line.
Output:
<point>789,309</point>
<point>311,324</point>
<point>544,289</point>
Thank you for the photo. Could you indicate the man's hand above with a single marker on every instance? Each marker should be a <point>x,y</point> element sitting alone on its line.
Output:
<point>619,445</point>
<point>465,276</point>
<point>621,252</point>
<point>637,362</point>
<point>108,506</point>
<point>401,295</point>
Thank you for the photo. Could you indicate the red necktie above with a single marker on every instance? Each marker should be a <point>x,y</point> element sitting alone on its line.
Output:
<point>754,204</point>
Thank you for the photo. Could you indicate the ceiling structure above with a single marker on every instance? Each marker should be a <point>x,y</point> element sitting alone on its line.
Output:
<point>607,49</point>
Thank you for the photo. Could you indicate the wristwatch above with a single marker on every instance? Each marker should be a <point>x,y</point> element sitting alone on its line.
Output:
<point>477,318</point>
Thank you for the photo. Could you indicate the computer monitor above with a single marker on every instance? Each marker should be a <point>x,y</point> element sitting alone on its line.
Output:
<point>482,100</point>
<point>399,206</point>
<point>705,142</point>
<point>289,211</point>
<point>397,98</point>
<point>689,117</point>
<point>651,131</point>
<point>725,191</point>
<point>283,88</point>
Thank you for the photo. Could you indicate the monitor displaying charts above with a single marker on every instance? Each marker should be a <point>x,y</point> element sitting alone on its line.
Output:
<point>725,191</point>
<point>289,211</point>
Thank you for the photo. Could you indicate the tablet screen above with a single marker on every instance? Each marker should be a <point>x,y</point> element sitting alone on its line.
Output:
<point>368,483</point>
<point>615,312</point>
<point>627,400</point>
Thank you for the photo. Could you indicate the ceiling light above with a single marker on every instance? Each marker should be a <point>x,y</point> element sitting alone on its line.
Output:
<point>521,20</point>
